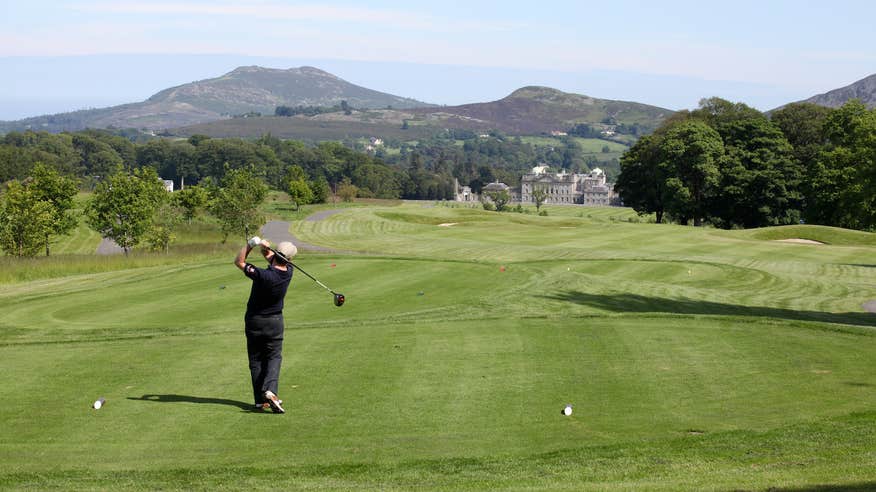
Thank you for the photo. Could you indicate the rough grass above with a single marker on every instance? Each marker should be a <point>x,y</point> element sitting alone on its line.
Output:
<point>694,360</point>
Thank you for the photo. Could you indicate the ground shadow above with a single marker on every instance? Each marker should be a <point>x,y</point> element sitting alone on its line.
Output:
<point>193,399</point>
<point>634,303</point>
<point>853,487</point>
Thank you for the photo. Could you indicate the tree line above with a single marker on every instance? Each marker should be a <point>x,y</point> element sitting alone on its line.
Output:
<point>425,170</point>
<point>94,155</point>
<point>732,166</point>
<point>129,208</point>
<point>42,172</point>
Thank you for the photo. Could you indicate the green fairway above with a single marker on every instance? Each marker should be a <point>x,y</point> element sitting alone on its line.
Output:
<point>694,359</point>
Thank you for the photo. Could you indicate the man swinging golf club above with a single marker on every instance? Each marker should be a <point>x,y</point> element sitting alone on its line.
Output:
<point>264,318</point>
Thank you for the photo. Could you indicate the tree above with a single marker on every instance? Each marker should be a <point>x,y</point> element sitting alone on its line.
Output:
<point>236,203</point>
<point>320,188</point>
<point>803,126</point>
<point>760,180</point>
<point>642,180</point>
<point>347,191</point>
<point>845,190</point>
<point>167,217</point>
<point>26,220</point>
<point>123,206</point>
<point>49,186</point>
<point>299,192</point>
<point>190,200</point>
<point>690,153</point>
<point>539,195</point>
<point>499,199</point>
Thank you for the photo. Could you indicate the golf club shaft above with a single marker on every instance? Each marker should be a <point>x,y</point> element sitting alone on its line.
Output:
<point>311,277</point>
<point>302,271</point>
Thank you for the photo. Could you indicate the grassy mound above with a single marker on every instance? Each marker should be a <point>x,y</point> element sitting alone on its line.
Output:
<point>822,234</point>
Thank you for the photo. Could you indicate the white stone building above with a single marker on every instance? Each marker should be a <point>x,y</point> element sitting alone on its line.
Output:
<point>567,189</point>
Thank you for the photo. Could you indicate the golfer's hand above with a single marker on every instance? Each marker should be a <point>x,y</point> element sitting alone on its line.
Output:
<point>266,249</point>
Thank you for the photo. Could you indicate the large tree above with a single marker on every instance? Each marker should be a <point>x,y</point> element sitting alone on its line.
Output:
<point>803,126</point>
<point>59,191</point>
<point>642,181</point>
<point>236,203</point>
<point>25,220</point>
<point>299,192</point>
<point>191,199</point>
<point>123,206</point>
<point>760,179</point>
<point>845,190</point>
<point>690,153</point>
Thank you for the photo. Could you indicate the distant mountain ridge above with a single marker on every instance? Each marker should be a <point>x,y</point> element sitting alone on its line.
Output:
<point>530,110</point>
<point>864,89</point>
<point>244,90</point>
<point>535,109</point>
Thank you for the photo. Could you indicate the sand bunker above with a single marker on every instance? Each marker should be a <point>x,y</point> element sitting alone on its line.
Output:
<point>448,224</point>
<point>870,306</point>
<point>799,241</point>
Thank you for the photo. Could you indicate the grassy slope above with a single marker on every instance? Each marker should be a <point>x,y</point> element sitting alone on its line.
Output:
<point>694,359</point>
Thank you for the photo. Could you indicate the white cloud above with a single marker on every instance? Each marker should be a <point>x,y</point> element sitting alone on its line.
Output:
<point>274,11</point>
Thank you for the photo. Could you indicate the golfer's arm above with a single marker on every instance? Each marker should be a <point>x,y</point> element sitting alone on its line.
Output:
<point>240,261</point>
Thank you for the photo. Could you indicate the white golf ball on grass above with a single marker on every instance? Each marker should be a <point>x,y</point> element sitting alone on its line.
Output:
<point>568,410</point>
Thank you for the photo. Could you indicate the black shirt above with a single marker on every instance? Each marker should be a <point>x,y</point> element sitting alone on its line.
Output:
<point>268,289</point>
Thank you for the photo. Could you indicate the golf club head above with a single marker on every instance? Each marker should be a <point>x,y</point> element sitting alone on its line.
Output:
<point>339,299</point>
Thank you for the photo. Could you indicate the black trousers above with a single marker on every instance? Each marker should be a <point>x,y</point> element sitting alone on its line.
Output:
<point>264,346</point>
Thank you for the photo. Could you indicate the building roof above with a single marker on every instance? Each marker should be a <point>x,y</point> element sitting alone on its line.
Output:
<point>497,186</point>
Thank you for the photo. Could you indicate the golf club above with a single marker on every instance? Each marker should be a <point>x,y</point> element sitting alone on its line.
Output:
<point>339,298</point>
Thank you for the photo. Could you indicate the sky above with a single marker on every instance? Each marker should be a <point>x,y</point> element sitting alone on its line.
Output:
<point>66,55</point>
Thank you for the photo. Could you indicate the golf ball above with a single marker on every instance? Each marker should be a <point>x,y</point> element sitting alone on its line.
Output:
<point>98,403</point>
<point>568,410</point>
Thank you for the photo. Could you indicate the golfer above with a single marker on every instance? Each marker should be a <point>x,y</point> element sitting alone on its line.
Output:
<point>264,319</point>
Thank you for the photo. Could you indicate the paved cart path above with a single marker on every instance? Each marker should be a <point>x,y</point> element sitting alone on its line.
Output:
<point>108,247</point>
<point>278,230</point>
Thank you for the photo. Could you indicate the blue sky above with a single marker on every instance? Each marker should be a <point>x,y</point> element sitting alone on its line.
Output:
<point>669,53</point>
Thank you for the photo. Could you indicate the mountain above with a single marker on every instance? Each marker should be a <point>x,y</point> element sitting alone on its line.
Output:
<point>244,90</point>
<point>533,110</point>
<point>864,89</point>
<point>526,111</point>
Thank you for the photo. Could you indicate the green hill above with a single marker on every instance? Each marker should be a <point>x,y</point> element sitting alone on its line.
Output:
<point>526,111</point>
<point>243,90</point>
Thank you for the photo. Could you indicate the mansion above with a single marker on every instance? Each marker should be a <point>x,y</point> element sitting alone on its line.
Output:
<point>560,188</point>
<point>566,189</point>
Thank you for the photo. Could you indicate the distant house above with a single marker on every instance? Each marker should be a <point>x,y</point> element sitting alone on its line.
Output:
<point>168,185</point>
<point>496,186</point>
<point>566,189</point>
<point>376,141</point>
<point>557,133</point>
<point>464,193</point>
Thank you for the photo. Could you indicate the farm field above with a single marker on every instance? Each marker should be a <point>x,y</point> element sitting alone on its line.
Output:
<point>694,359</point>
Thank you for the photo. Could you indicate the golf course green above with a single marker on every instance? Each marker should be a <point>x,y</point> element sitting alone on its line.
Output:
<point>693,358</point>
